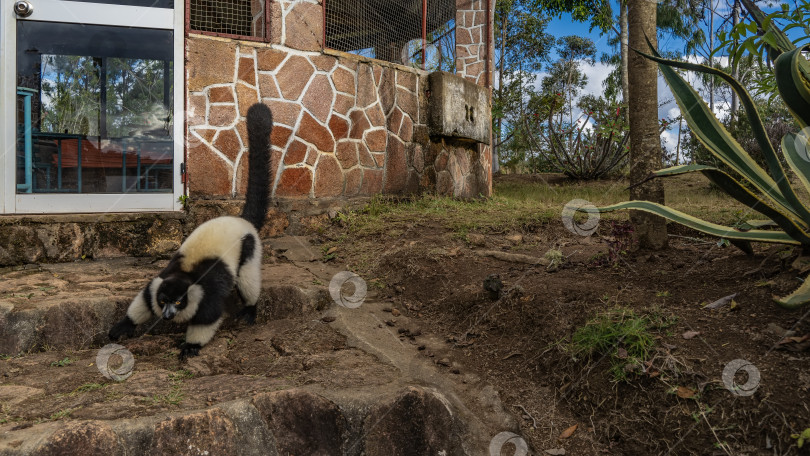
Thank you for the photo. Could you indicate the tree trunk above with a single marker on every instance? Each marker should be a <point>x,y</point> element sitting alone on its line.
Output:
<point>623,39</point>
<point>645,141</point>
<point>711,58</point>
<point>678,147</point>
<point>496,152</point>
<point>735,68</point>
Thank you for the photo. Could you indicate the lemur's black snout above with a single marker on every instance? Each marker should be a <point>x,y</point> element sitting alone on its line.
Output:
<point>169,311</point>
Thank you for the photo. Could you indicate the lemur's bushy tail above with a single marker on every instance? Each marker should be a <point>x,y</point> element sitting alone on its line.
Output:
<point>259,127</point>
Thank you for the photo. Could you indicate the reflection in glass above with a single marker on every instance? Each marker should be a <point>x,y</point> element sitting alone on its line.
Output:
<point>94,122</point>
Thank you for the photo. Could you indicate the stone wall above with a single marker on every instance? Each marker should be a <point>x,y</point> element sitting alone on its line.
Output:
<point>344,126</point>
<point>471,29</point>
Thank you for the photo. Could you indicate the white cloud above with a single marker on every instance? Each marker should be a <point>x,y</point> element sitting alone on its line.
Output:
<point>673,112</point>
<point>670,139</point>
<point>596,74</point>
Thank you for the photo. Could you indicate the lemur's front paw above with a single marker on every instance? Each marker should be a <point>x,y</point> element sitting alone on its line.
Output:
<point>124,328</point>
<point>248,314</point>
<point>189,350</point>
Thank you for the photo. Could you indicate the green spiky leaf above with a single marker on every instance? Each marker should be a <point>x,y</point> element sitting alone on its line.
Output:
<point>791,70</point>
<point>796,149</point>
<point>719,141</point>
<point>798,298</point>
<point>754,224</point>
<point>796,228</point>
<point>728,232</point>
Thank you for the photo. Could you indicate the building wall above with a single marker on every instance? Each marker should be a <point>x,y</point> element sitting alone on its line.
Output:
<point>344,126</point>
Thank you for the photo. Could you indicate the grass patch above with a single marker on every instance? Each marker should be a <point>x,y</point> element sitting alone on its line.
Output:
<point>64,413</point>
<point>86,388</point>
<point>175,396</point>
<point>113,396</point>
<point>524,206</point>
<point>62,362</point>
<point>5,417</point>
<point>623,337</point>
<point>179,376</point>
<point>497,214</point>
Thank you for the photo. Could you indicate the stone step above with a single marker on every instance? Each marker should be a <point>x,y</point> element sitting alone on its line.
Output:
<point>374,422</point>
<point>311,377</point>
<point>330,382</point>
<point>73,305</point>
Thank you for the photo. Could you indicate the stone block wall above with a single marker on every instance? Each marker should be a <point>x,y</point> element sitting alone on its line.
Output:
<point>345,126</point>
<point>471,31</point>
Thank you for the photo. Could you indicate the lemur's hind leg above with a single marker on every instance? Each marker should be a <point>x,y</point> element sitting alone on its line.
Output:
<point>249,282</point>
<point>139,311</point>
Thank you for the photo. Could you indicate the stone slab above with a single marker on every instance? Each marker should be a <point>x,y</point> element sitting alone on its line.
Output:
<point>458,108</point>
<point>73,305</point>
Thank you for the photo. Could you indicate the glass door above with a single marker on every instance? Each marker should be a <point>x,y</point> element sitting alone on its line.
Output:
<point>93,106</point>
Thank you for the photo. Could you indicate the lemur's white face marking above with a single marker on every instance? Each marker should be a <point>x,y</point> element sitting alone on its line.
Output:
<point>194,296</point>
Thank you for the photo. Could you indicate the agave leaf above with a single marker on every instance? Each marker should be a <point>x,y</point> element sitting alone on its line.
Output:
<point>791,71</point>
<point>796,149</point>
<point>795,228</point>
<point>754,224</point>
<point>790,200</point>
<point>681,169</point>
<point>717,139</point>
<point>778,237</point>
<point>798,298</point>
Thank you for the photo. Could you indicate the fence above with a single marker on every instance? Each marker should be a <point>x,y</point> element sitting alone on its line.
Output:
<point>241,19</point>
<point>419,33</point>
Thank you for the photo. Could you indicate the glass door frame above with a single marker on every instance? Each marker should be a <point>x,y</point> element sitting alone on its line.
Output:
<point>64,11</point>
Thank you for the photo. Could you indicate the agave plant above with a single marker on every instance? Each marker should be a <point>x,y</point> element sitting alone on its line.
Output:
<point>768,192</point>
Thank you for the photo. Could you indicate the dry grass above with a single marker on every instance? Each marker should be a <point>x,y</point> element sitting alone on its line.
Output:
<point>524,205</point>
<point>689,193</point>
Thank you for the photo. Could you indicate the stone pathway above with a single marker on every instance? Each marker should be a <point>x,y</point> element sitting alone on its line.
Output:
<point>311,377</point>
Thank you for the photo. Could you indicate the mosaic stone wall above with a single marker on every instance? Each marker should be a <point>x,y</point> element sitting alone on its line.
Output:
<point>344,126</point>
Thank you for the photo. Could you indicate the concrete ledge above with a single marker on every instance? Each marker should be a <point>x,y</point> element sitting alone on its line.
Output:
<point>88,218</point>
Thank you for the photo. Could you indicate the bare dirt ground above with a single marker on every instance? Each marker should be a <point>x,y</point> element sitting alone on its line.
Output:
<point>673,400</point>
<point>427,306</point>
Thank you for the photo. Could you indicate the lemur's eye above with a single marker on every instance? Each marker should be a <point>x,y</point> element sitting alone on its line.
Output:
<point>177,303</point>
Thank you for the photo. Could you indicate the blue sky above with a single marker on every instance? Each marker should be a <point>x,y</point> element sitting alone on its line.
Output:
<point>564,25</point>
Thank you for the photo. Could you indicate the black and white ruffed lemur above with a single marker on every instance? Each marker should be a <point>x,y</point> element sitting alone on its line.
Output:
<point>221,253</point>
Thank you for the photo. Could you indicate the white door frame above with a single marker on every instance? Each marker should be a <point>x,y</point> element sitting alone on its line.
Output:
<point>86,13</point>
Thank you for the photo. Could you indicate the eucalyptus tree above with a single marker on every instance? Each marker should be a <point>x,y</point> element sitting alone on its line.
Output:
<point>645,143</point>
<point>521,50</point>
